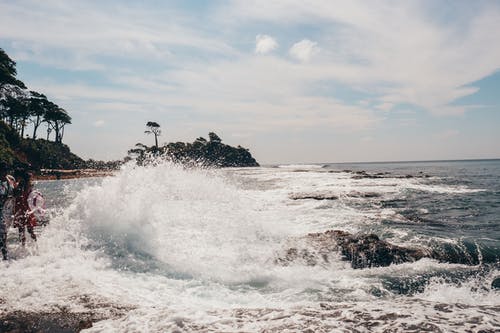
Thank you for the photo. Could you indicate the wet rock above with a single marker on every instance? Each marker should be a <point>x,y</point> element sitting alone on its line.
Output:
<point>39,322</point>
<point>495,284</point>
<point>368,250</point>
<point>363,250</point>
<point>314,196</point>
<point>325,195</point>
<point>366,175</point>
<point>364,195</point>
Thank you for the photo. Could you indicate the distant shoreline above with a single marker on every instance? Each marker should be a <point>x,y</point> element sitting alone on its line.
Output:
<point>56,174</point>
<point>383,162</point>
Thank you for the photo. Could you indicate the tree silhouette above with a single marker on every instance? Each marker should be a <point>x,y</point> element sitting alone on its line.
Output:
<point>214,137</point>
<point>56,118</point>
<point>12,110</point>
<point>154,128</point>
<point>23,115</point>
<point>20,107</point>
<point>60,123</point>
<point>38,105</point>
<point>8,71</point>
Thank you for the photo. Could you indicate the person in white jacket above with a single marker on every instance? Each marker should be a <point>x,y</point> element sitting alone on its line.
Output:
<point>7,184</point>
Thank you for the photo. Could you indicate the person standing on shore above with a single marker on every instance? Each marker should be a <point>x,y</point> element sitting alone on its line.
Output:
<point>23,217</point>
<point>7,185</point>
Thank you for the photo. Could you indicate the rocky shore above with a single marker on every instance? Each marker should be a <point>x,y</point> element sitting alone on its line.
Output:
<point>368,250</point>
<point>53,322</point>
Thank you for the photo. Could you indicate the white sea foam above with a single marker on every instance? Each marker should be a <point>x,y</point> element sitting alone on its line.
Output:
<point>191,250</point>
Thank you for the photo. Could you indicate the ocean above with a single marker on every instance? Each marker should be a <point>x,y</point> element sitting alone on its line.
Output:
<point>167,249</point>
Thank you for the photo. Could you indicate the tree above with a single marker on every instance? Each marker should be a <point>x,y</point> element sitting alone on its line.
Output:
<point>214,137</point>
<point>23,115</point>
<point>13,96</point>
<point>38,105</point>
<point>56,118</point>
<point>60,123</point>
<point>138,153</point>
<point>8,71</point>
<point>154,128</point>
<point>13,109</point>
<point>49,117</point>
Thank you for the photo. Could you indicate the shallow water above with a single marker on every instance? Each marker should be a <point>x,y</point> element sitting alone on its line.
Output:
<point>194,250</point>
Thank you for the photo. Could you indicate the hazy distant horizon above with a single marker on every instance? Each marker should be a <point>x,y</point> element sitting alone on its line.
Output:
<point>293,82</point>
<point>387,162</point>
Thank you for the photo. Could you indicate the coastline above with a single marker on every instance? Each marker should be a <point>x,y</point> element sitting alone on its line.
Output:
<point>58,174</point>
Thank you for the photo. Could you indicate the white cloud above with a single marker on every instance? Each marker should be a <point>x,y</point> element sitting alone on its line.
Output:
<point>385,107</point>
<point>78,33</point>
<point>405,53</point>
<point>304,50</point>
<point>265,44</point>
<point>99,123</point>
<point>201,78</point>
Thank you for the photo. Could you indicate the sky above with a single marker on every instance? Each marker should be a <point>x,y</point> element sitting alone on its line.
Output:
<point>294,81</point>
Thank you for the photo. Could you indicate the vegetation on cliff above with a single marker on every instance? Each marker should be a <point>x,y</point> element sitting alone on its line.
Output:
<point>202,152</point>
<point>35,154</point>
<point>24,113</point>
<point>20,110</point>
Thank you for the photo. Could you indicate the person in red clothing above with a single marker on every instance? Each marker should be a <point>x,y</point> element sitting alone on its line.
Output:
<point>23,217</point>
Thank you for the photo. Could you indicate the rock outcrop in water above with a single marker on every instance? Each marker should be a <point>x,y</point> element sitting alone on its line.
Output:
<point>363,251</point>
<point>326,195</point>
<point>365,175</point>
<point>202,152</point>
<point>495,284</point>
<point>368,250</point>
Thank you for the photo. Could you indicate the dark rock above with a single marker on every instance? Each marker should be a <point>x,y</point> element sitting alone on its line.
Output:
<point>39,322</point>
<point>364,195</point>
<point>368,250</point>
<point>314,196</point>
<point>363,251</point>
<point>325,195</point>
<point>366,175</point>
<point>496,283</point>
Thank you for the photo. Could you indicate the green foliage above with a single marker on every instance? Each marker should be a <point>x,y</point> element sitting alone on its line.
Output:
<point>19,107</point>
<point>38,154</point>
<point>102,165</point>
<point>201,152</point>
<point>153,128</point>
<point>214,137</point>
<point>8,71</point>
<point>43,154</point>
<point>8,139</point>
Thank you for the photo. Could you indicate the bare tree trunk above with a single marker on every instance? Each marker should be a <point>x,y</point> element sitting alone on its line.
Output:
<point>23,125</point>
<point>35,126</point>
<point>62,134</point>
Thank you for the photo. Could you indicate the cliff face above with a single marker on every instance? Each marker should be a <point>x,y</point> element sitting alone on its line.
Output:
<point>35,154</point>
